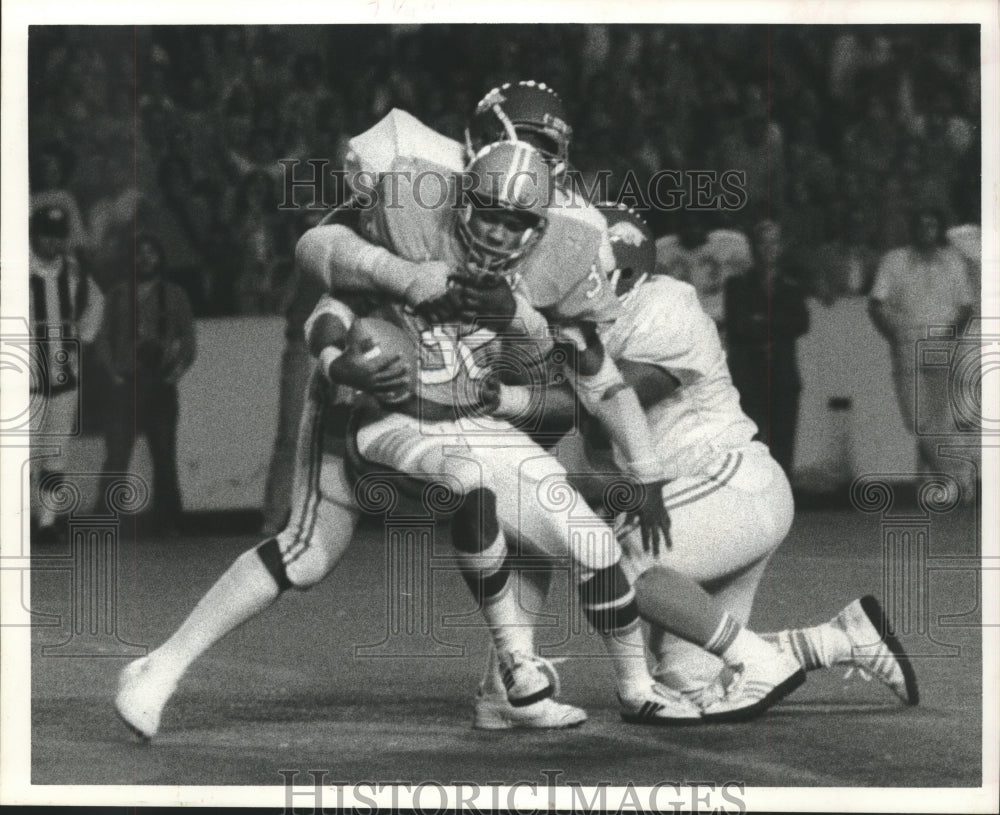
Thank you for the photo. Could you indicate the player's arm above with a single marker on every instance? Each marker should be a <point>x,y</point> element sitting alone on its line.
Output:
<point>360,365</point>
<point>651,383</point>
<point>606,395</point>
<point>559,407</point>
<point>345,261</point>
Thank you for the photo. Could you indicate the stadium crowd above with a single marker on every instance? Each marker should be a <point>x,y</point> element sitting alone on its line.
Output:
<point>839,130</point>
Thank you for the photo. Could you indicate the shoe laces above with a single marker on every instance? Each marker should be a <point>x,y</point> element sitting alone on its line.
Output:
<point>706,695</point>
<point>668,693</point>
<point>512,660</point>
<point>858,670</point>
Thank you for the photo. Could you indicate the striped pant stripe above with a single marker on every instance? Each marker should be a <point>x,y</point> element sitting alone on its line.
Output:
<point>708,485</point>
<point>306,524</point>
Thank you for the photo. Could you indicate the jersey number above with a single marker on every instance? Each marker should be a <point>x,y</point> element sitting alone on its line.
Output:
<point>594,290</point>
<point>452,353</point>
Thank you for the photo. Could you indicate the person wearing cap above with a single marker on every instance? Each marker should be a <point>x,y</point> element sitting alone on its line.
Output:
<point>66,309</point>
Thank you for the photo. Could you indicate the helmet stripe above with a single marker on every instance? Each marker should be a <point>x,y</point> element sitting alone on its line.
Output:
<point>522,160</point>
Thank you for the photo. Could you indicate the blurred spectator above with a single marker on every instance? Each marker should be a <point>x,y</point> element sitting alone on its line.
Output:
<point>112,224</point>
<point>765,314</point>
<point>51,173</point>
<point>756,146</point>
<point>148,343</point>
<point>845,266</point>
<point>66,309</point>
<point>705,259</point>
<point>258,235</point>
<point>166,212</point>
<point>921,285</point>
<point>806,224</point>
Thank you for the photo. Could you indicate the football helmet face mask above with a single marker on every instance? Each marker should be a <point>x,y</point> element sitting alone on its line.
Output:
<point>527,111</point>
<point>633,246</point>
<point>506,188</point>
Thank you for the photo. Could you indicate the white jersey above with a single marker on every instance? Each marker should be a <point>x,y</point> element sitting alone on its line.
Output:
<point>665,326</point>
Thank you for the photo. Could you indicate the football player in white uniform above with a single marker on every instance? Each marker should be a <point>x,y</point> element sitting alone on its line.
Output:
<point>730,503</point>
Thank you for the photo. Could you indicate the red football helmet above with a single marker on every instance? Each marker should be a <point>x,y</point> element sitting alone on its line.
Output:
<point>634,248</point>
<point>527,111</point>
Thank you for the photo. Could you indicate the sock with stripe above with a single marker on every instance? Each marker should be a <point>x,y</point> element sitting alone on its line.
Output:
<point>736,645</point>
<point>482,556</point>
<point>532,588</point>
<point>488,577</point>
<point>609,604</point>
<point>818,646</point>
<point>244,590</point>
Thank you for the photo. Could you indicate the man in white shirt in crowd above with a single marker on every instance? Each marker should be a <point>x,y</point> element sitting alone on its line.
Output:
<point>924,287</point>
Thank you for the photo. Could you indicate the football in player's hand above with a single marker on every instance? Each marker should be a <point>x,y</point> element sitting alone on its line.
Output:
<point>370,333</point>
<point>380,359</point>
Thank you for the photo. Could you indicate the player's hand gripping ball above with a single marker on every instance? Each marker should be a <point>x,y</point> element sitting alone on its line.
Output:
<point>379,359</point>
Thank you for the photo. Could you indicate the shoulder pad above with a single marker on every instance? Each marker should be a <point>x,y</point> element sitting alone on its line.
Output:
<point>563,258</point>
<point>400,134</point>
<point>416,216</point>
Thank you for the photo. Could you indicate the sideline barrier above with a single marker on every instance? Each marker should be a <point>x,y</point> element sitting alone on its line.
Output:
<point>229,408</point>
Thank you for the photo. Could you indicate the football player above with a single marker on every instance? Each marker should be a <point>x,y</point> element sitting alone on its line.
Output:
<point>729,502</point>
<point>325,514</point>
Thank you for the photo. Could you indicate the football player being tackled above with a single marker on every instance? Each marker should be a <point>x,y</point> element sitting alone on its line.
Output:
<point>675,602</point>
<point>324,515</point>
<point>449,431</point>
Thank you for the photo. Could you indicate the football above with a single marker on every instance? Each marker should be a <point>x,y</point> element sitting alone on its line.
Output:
<point>381,336</point>
<point>377,337</point>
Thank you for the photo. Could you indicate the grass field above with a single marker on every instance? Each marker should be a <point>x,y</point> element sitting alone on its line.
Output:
<point>289,691</point>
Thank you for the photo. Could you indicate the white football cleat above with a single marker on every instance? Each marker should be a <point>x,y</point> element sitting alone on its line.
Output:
<point>531,682</point>
<point>493,711</point>
<point>875,651</point>
<point>754,687</point>
<point>661,706</point>
<point>527,678</point>
<point>142,695</point>
<point>698,692</point>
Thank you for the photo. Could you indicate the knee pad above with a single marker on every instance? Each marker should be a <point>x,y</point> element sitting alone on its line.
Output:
<point>608,601</point>
<point>270,556</point>
<point>475,525</point>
